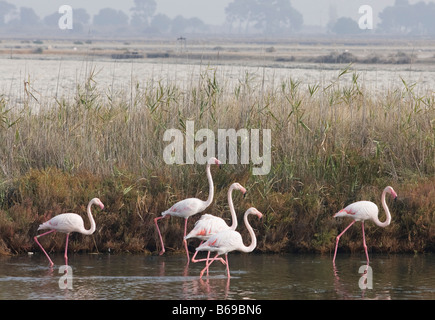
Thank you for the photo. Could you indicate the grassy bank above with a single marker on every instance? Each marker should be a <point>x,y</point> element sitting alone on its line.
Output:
<point>332,143</point>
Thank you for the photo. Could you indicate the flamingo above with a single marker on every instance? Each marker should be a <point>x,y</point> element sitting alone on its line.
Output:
<point>365,210</point>
<point>67,223</point>
<point>208,224</point>
<point>188,207</point>
<point>229,240</point>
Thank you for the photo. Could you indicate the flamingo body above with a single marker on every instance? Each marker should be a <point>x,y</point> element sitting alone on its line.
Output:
<point>362,211</point>
<point>185,208</point>
<point>206,226</point>
<point>189,207</point>
<point>223,242</point>
<point>229,240</point>
<point>67,223</point>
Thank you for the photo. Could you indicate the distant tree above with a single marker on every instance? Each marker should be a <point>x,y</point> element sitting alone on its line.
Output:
<point>196,25</point>
<point>345,25</point>
<point>80,15</point>
<point>269,16</point>
<point>28,17</point>
<point>404,18</point>
<point>277,16</point>
<point>161,22</point>
<point>143,11</point>
<point>427,16</point>
<point>5,9</point>
<point>110,17</point>
<point>239,11</point>
<point>395,18</point>
<point>52,19</point>
<point>180,25</point>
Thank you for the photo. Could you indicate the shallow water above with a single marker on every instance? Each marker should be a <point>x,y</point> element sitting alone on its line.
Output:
<point>253,276</point>
<point>60,77</point>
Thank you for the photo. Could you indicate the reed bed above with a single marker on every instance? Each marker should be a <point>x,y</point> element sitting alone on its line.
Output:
<point>333,143</point>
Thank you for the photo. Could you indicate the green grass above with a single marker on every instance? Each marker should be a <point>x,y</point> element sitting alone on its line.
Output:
<point>332,144</point>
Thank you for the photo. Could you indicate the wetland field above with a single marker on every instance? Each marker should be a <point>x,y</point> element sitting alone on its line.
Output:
<point>83,119</point>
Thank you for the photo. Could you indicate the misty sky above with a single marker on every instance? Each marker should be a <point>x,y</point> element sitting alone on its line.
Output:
<point>315,12</point>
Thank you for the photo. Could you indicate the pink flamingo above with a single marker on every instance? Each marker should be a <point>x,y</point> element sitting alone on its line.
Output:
<point>365,210</point>
<point>229,240</point>
<point>208,224</point>
<point>67,223</point>
<point>188,207</point>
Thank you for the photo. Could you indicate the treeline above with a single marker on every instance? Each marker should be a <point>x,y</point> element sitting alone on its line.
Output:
<point>252,17</point>
<point>402,18</point>
<point>143,20</point>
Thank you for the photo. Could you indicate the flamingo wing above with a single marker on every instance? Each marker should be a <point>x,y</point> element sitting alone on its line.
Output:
<point>65,222</point>
<point>185,208</point>
<point>222,242</point>
<point>360,211</point>
<point>206,226</point>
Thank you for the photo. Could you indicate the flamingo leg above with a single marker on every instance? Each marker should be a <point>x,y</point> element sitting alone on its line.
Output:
<point>160,235</point>
<point>228,266</point>
<point>66,249</point>
<point>207,265</point>
<point>46,254</point>
<point>185,241</point>
<point>208,257</point>
<point>338,239</point>
<point>206,262</point>
<point>364,243</point>
<point>194,255</point>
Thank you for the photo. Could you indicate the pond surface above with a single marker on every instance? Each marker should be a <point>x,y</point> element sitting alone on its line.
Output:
<point>46,79</point>
<point>253,276</point>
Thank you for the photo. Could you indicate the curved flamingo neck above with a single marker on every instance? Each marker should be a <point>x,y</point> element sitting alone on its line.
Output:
<point>231,205</point>
<point>253,244</point>
<point>210,186</point>
<point>387,212</point>
<point>91,219</point>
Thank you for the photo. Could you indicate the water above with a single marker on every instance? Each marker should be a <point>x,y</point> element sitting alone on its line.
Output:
<point>46,79</point>
<point>253,276</point>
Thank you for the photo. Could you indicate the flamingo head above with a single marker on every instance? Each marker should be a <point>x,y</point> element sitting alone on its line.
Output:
<point>240,187</point>
<point>213,160</point>
<point>391,191</point>
<point>98,202</point>
<point>256,212</point>
<point>341,213</point>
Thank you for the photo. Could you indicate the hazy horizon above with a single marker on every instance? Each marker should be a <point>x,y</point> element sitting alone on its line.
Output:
<point>315,12</point>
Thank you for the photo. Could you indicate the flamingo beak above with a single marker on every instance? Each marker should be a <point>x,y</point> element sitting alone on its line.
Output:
<point>219,163</point>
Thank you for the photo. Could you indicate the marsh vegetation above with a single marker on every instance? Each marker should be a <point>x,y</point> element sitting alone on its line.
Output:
<point>333,143</point>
